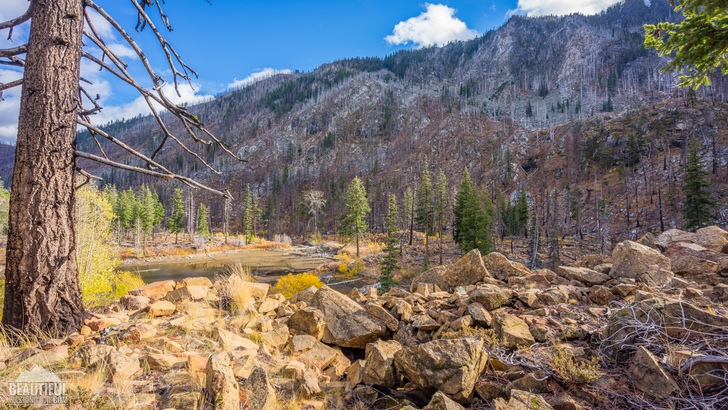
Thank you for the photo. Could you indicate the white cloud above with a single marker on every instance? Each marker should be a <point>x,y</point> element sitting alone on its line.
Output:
<point>257,76</point>
<point>9,108</point>
<point>436,26</point>
<point>561,7</point>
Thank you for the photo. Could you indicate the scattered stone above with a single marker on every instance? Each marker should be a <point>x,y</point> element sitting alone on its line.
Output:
<point>347,323</point>
<point>480,314</point>
<point>310,383</point>
<point>650,377</point>
<point>268,305</point>
<point>101,323</point>
<point>139,332</point>
<point>383,315</point>
<point>402,310</point>
<point>355,372</point>
<point>529,383</point>
<point>230,340</point>
<point>154,290</point>
<point>451,366</point>
<point>163,362</point>
<point>379,367</point>
<point>512,331</point>
<point>442,402</point>
<point>89,355</point>
<point>647,265</point>
<point>131,302</point>
<point>294,370</point>
<point>186,294</point>
<point>185,400</point>
<point>425,323</point>
<point>491,297</point>
<point>584,275</point>
<point>162,308</point>
<point>302,342</point>
<point>196,281</point>
<point>122,367</point>
<point>521,400</point>
<point>221,387</point>
<point>319,355</point>
<point>260,394</point>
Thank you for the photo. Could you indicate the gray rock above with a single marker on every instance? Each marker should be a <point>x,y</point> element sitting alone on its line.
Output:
<point>220,386</point>
<point>347,323</point>
<point>469,270</point>
<point>647,265</point>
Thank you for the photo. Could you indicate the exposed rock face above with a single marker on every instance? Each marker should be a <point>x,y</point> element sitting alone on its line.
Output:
<point>451,366</point>
<point>379,366</point>
<point>469,270</point>
<point>502,269</point>
<point>647,265</point>
<point>221,386</point>
<point>650,377</point>
<point>347,323</point>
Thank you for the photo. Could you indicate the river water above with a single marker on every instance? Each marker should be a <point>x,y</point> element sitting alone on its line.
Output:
<point>265,265</point>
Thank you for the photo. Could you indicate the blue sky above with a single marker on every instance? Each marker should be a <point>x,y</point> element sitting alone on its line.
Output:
<point>231,42</point>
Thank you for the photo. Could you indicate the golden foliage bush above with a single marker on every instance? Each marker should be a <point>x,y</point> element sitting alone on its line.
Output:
<point>291,284</point>
<point>95,251</point>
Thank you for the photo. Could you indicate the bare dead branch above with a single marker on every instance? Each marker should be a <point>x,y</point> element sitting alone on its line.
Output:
<point>12,52</point>
<point>17,21</point>
<point>88,177</point>
<point>13,61</point>
<point>10,85</point>
<point>167,176</point>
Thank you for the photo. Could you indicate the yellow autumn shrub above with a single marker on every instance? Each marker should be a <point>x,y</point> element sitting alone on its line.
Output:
<point>291,284</point>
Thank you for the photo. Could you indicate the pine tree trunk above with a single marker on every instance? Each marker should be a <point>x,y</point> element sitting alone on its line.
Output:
<point>42,291</point>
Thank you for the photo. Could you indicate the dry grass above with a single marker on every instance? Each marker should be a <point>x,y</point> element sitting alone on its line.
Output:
<point>572,370</point>
<point>235,290</point>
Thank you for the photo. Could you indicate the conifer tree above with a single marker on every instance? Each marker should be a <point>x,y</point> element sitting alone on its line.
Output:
<point>472,221</point>
<point>440,205</point>
<point>176,221</point>
<point>425,209</point>
<point>522,213</point>
<point>158,211</point>
<point>203,216</point>
<point>391,252</point>
<point>248,215</point>
<point>356,208</point>
<point>698,201</point>
<point>146,211</point>
<point>409,210</point>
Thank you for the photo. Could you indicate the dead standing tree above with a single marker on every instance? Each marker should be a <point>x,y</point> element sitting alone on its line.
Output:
<point>42,286</point>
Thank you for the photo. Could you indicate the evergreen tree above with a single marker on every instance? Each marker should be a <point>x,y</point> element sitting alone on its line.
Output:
<point>176,221</point>
<point>698,201</point>
<point>390,251</point>
<point>472,221</point>
<point>146,211</point>
<point>425,209</point>
<point>203,216</point>
<point>521,212</point>
<point>356,208</point>
<point>440,205</point>
<point>158,211</point>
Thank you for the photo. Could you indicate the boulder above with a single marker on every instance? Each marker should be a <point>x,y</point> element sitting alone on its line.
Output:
<point>184,400</point>
<point>231,341</point>
<point>260,394</point>
<point>347,323</point>
<point>308,321</point>
<point>689,265</point>
<point>383,315</point>
<point>268,305</point>
<point>429,277</point>
<point>89,355</point>
<point>592,261</point>
<point>221,387</point>
<point>501,268</point>
<point>131,302</point>
<point>450,366</point>
<point>258,290</point>
<point>186,294</point>
<point>512,331</point>
<point>424,322</point>
<point>712,237</point>
<point>196,281</point>
<point>294,370</point>
<point>319,355</point>
<point>586,276</point>
<point>302,342</point>
<point>650,377</point>
<point>491,297</point>
<point>647,265</point>
<point>139,332</point>
<point>468,270</point>
<point>154,290</point>
<point>442,402</point>
<point>165,362</point>
<point>480,314</point>
<point>402,310</point>
<point>665,239</point>
<point>379,367</point>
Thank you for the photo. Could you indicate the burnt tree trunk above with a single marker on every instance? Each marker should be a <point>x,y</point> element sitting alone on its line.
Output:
<point>42,291</point>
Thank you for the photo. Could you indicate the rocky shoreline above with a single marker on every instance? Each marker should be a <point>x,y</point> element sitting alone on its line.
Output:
<point>644,327</point>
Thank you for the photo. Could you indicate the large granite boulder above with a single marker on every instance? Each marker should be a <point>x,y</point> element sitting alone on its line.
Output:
<point>221,387</point>
<point>635,261</point>
<point>491,297</point>
<point>347,323</point>
<point>450,366</point>
<point>469,270</point>
<point>379,366</point>
<point>586,276</point>
<point>501,268</point>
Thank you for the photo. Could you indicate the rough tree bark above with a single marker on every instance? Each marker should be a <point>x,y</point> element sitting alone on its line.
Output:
<point>41,265</point>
